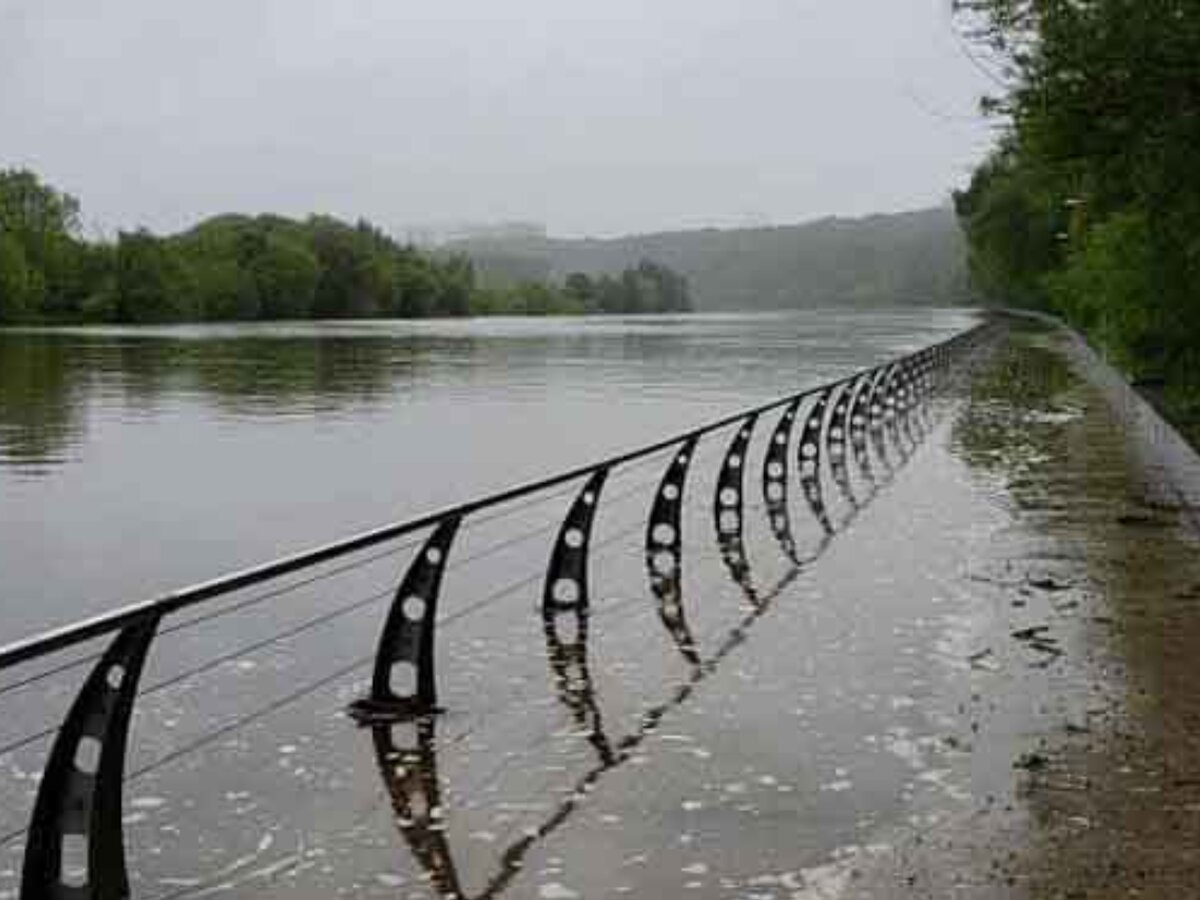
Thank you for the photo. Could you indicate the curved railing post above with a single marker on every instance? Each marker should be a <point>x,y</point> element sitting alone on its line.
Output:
<point>891,411</point>
<point>664,549</point>
<point>76,847</point>
<point>407,640</point>
<point>809,453</point>
<point>837,440</point>
<point>860,412</point>
<point>566,584</point>
<point>877,418</point>
<point>729,507</point>
<point>775,481</point>
<point>906,402</point>
<point>566,598</point>
<point>926,387</point>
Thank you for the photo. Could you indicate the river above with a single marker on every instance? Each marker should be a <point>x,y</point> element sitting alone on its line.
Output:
<point>959,681</point>
<point>134,460</point>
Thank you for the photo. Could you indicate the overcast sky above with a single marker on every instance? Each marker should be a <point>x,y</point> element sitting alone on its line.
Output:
<point>591,116</point>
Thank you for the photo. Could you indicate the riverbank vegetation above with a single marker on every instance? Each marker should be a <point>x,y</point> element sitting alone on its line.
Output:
<point>241,268</point>
<point>1090,205</point>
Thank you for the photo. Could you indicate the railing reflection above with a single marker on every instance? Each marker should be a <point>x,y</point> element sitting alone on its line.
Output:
<point>891,407</point>
<point>853,437</point>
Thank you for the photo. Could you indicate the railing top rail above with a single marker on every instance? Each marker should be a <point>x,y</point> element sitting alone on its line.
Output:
<point>61,638</point>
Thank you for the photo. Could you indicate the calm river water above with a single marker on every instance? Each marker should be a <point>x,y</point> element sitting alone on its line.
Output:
<point>135,460</point>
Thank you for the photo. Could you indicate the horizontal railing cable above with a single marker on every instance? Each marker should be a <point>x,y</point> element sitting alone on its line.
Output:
<point>898,382</point>
<point>220,613</point>
<point>308,624</point>
<point>218,661</point>
<point>258,599</point>
<point>175,601</point>
<point>282,591</point>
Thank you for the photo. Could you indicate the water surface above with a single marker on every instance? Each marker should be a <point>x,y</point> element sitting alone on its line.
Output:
<point>136,460</point>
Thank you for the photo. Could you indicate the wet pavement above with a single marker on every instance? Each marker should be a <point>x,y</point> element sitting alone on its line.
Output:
<point>982,685</point>
<point>1082,729</point>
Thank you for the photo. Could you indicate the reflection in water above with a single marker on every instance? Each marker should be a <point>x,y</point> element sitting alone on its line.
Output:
<point>47,379</point>
<point>1020,386</point>
<point>410,772</point>
<point>268,373</point>
<point>40,400</point>
<point>410,775</point>
<point>573,678</point>
<point>222,445</point>
<point>565,607</point>
<point>50,377</point>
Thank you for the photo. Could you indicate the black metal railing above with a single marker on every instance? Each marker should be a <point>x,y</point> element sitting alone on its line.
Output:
<point>844,440</point>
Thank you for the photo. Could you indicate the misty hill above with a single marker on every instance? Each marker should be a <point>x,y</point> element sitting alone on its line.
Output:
<point>910,258</point>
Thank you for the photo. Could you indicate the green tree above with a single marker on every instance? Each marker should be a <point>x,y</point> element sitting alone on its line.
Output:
<point>1104,288</point>
<point>286,275</point>
<point>18,286</point>
<point>415,288</point>
<point>580,289</point>
<point>236,267</point>
<point>224,290</point>
<point>457,285</point>
<point>1014,224</point>
<point>43,222</point>
<point>33,211</point>
<point>1103,138</point>
<point>153,283</point>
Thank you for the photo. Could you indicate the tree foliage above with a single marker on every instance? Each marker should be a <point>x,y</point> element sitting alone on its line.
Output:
<point>1091,205</point>
<point>266,267</point>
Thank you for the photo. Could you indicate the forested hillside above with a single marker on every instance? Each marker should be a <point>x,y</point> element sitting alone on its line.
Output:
<point>1090,205</point>
<point>237,267</point>
<point>916,257</point>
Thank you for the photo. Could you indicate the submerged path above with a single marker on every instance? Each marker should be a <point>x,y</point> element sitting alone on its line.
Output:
<point>981,685</point>
<point>1076,734</point>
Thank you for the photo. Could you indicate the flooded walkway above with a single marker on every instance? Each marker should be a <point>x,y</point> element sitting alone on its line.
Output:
<point>984,688</point>
<point>981,686</point>
<point>1077,733</point>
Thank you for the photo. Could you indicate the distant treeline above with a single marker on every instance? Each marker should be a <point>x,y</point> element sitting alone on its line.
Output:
<point>268,267</point>
<point>897,259</point>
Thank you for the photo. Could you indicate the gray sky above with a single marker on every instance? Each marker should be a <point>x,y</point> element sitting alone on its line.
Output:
<point>592,116</point>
